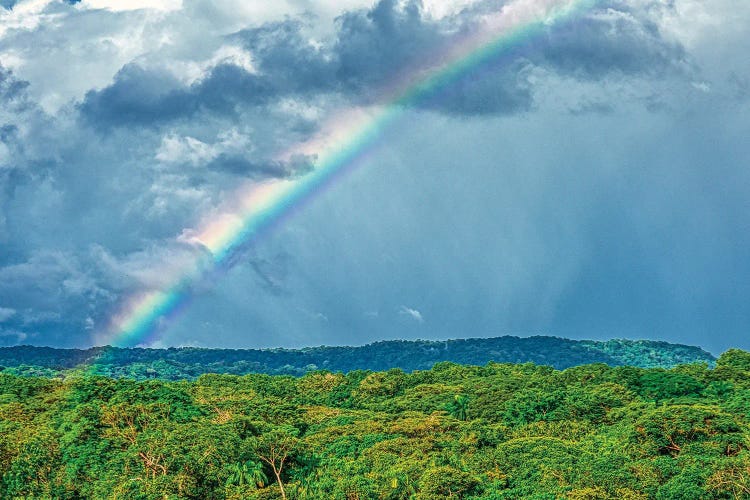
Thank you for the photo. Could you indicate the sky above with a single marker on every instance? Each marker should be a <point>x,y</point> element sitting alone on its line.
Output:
<point>589,182</point>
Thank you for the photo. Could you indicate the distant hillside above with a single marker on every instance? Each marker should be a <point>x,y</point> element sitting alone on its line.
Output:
<point>190,362</point>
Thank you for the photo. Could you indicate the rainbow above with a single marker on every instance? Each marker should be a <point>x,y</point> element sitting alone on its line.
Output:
<point>344,138</point>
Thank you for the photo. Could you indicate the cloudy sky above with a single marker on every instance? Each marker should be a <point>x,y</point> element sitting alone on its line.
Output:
<point>590,181</point>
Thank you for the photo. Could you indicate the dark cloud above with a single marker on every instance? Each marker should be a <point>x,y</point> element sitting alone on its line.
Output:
<point>227,86</point>
<point>137,97</point>
<point>151,97</point>
<point>374,47</point>
<point>249,167</point>
<point>487,91</point>
<point>614,38</point>
<point>8,132</point>
<point>272,272</point>
<point>287,61</point>
<point>11,88</point>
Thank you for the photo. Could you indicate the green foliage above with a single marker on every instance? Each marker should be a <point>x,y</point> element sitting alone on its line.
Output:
<point>446,482</point>
<point>190,362</point>
<point>248,473</point>
<point>459,407</point>
<point>499,431</point>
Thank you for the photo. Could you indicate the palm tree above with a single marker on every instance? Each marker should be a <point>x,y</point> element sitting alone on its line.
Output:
<point>257,475</point>
<point>247,473</point>
<point>459,407</point>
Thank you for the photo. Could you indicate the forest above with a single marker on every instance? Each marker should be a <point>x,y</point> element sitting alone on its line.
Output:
<point>497,431</point>
<point>191,362</point>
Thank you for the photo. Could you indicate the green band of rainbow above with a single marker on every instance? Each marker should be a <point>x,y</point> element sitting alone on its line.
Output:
<point>256,207</point>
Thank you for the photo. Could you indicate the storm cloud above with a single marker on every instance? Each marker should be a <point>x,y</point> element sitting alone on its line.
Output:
<point>537,193</point>
<point>371,48</point>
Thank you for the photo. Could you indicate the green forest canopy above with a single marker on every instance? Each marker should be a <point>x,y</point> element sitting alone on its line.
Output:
<point>499,431</point>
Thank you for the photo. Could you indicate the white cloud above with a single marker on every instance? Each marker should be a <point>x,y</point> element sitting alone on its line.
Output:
<point>442,8</point>
<point>176,149</point>
<point>24,16</point>
<point>118,6</point>
<point>192,69</point>
<point>156,267</point>
<point>411,313</point>
<point>191,151</point>
<point>705,22</point>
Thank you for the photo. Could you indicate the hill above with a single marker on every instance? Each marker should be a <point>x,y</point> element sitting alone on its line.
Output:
<point>190,362</point>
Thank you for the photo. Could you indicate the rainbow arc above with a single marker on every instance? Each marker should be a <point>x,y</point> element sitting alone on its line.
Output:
<point>256,207</point>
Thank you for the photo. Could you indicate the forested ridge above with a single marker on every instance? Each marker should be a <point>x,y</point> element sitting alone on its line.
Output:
<point>190,362</point>
<point>499,431</point>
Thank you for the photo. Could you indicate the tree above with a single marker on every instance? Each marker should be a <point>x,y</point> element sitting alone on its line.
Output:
<point>459,407</point>
<point>275,448</point>
<point>247,473</point>
<point>667,430</point>
<point>446,482</point>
